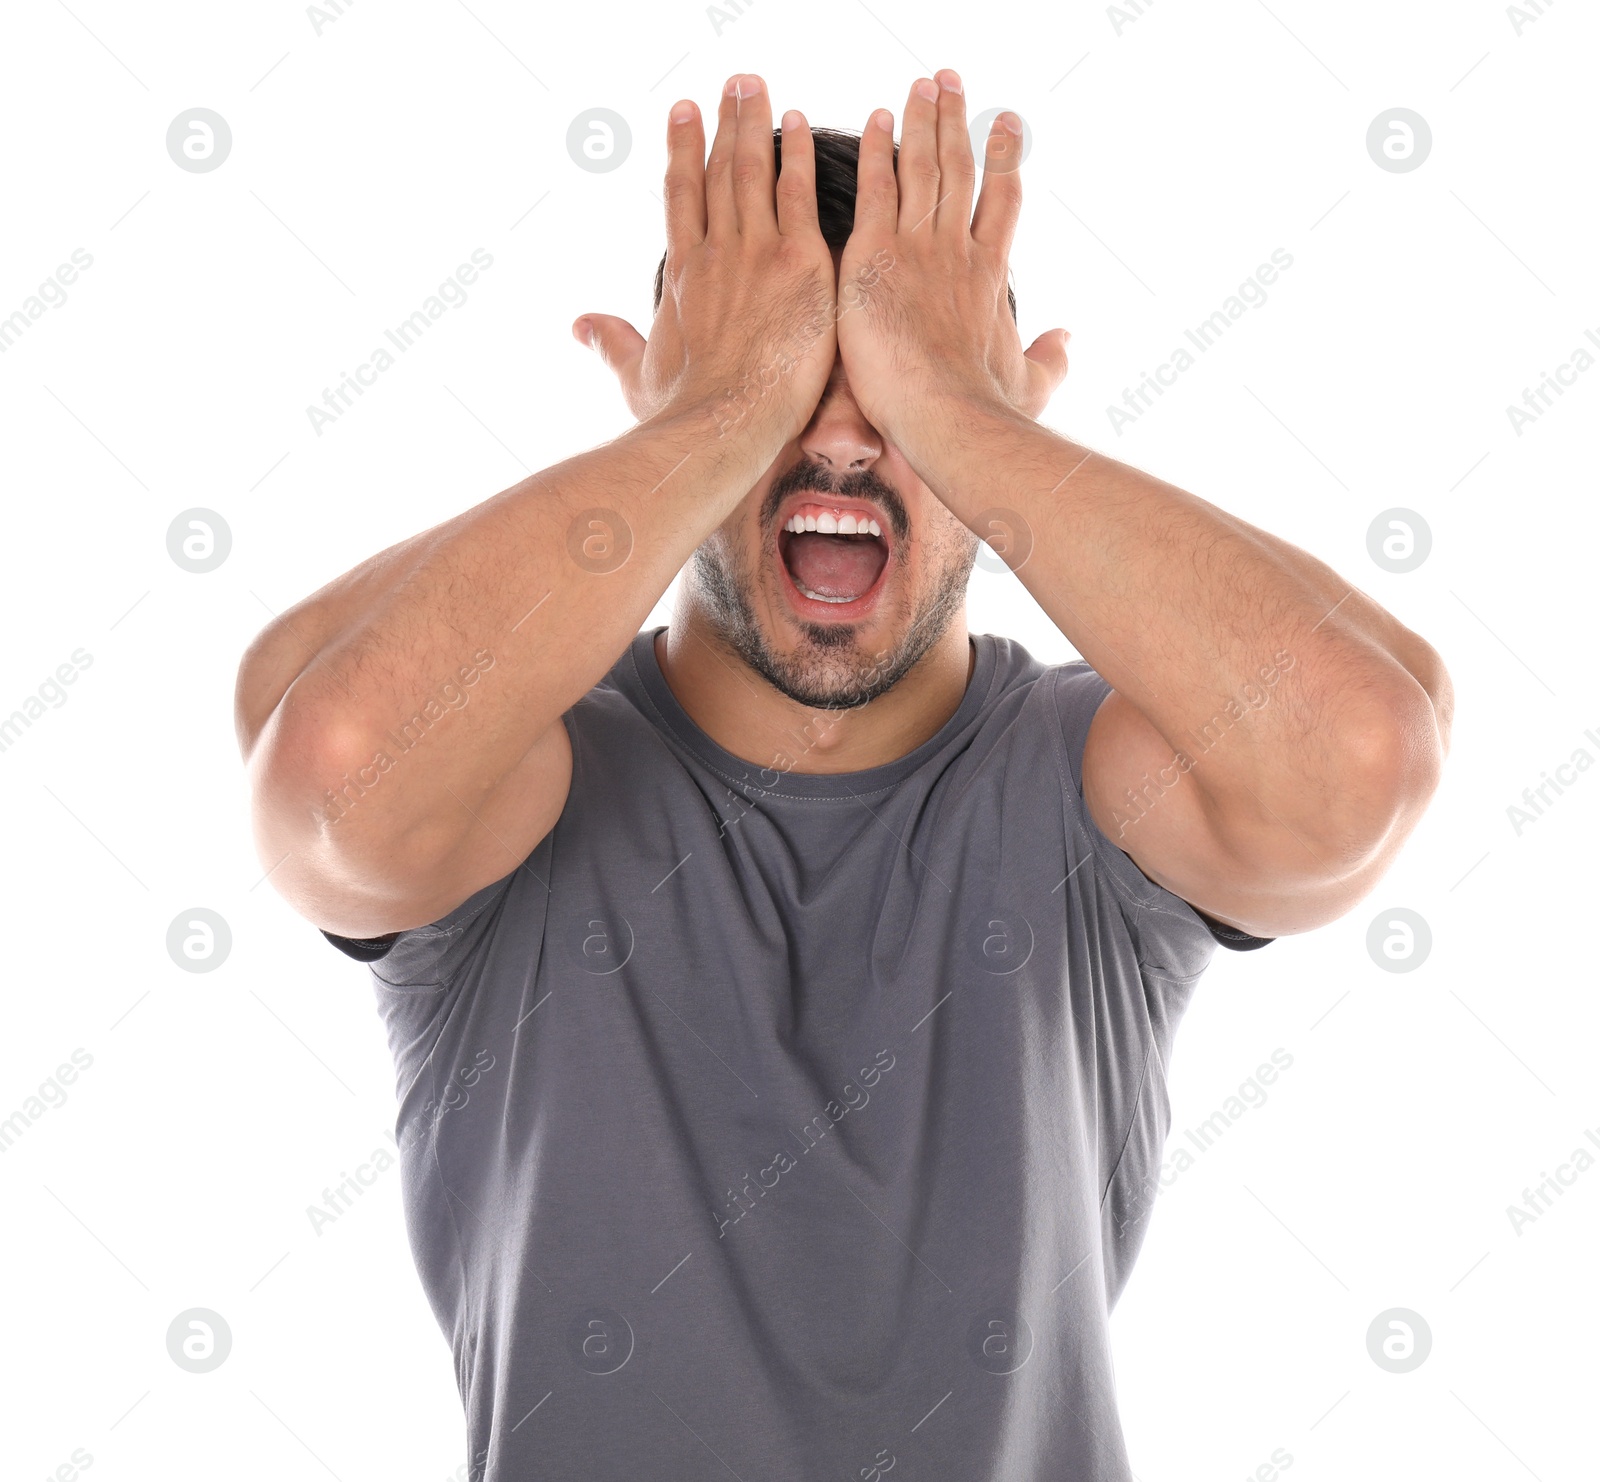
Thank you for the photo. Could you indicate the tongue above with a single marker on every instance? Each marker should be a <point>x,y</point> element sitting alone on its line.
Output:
<point>835,565</point>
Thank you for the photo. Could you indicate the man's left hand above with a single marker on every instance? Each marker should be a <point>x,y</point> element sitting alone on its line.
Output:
<point>924,325</point>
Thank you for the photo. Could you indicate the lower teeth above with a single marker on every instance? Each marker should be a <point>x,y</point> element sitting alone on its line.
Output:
<point>818,597</point>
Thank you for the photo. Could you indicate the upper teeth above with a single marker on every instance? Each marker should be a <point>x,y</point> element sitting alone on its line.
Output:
<point>828,524</point>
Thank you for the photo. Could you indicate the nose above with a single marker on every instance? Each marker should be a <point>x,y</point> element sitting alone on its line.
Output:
<point>838,436</point>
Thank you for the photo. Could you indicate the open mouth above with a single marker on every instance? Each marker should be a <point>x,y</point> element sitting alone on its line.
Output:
<point>834,557</point>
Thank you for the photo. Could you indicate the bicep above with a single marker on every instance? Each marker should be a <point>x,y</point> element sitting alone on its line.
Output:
<point>1241,864</point>
<point>360,892</point>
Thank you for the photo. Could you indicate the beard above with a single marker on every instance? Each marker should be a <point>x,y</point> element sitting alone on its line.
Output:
<point>828,669</point>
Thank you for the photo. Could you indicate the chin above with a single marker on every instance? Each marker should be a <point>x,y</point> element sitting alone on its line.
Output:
<point>822,655</point>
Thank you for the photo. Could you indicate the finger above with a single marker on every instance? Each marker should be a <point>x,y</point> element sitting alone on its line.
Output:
<point>797,180</point>
<point>1000,200</point>
<point>1045,361</point>
<point>721,218</point>
<point>877,195</point>
<point>614,340</point>
<point>755,165</point>
<point>957,171</point>
<point>1048,355</point>
<point>918,170</point>
<point>683,191</point>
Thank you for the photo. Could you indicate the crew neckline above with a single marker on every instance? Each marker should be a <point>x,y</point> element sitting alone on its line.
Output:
<point>774,779</point>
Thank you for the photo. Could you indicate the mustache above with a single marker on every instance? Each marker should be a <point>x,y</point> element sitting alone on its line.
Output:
<point>808,477</point>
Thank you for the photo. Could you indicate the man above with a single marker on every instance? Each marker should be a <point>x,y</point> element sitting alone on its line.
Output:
<point>654,916</point>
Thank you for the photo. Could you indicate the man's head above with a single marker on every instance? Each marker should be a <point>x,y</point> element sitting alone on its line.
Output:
<point>832,620</point>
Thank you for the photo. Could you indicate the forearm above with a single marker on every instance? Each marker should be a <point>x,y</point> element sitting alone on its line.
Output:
<point>482,631</point>
<point>1187,609</point>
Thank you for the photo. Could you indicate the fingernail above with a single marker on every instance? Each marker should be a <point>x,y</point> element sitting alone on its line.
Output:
<point>1012,123</point>
<point>951,80</point>
<point>749,86</point>
<point>585,331</point>
<point>884,119</point>
<point>791,120</point>
<point>682,112</point>
<point>927,90</point>
<point>730,88</point>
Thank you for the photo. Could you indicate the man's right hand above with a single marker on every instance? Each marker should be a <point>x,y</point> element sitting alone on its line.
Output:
<point>745,329</point>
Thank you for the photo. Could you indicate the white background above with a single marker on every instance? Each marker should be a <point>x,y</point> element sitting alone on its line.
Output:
<point>1168,161</point>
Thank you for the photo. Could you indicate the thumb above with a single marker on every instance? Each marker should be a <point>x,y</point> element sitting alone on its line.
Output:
<point>621,346</point>
<point>614,340</point>
<point>1050,351</point>
<point>1047,369</point>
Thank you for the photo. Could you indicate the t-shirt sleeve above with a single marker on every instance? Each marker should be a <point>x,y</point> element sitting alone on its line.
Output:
<point>1152,909</point>
<point>432,956</point>
<point>363,949</point>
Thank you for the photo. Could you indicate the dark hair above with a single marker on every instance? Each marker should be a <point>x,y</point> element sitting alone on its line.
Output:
<point>836,152</point>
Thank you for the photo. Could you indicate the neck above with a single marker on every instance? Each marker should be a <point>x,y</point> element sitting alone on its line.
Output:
<point>745,715</point>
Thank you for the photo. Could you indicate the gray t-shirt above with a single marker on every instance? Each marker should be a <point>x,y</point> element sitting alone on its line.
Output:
<point>614,1064</point>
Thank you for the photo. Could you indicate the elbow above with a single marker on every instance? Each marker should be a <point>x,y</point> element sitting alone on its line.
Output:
<point>330,838</point>
<point>1390,762</point>
<point>1424,666</point>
